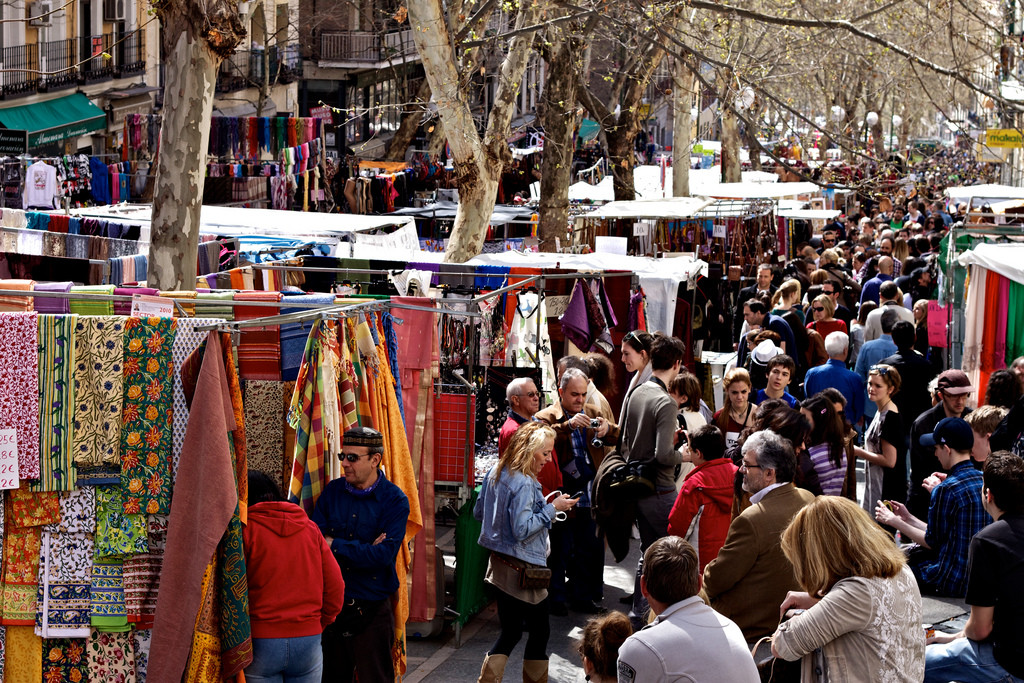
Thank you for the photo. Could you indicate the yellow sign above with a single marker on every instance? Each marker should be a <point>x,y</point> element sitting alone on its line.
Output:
<point>1003,137</point>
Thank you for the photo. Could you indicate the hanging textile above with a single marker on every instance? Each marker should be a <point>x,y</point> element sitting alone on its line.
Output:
<point>974,324</point>
<point>12,303</point>
<point>186,340</point>
<point>24,656</point>
<point>98,386</point>
<point>93,306</point>
<point>142,574</point>
<point>1015,323</point>
<point>19,387</point>
<point>107,608</point>
<point>147,416</point>
<point>141,641</point>
<point>109,657</point>
<point>201,511</point>
<point>56,401</point>
<point>118,534</point>
<point>63,600</point>
<point>264,426</point>
<point>305,415</point>
<point>293,336</point>
<point>259,351</point>
<point>527,348</point>
<point>56,305</point>
<point>26,514</point>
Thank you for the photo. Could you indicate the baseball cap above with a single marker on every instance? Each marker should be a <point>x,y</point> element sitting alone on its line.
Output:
<point>955,382</point>
<point>953,432</point>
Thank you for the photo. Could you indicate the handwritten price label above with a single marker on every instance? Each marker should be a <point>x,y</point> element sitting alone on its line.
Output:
<point>9,459</point>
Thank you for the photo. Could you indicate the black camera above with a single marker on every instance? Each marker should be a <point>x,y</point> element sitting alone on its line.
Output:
<point>595,424</point>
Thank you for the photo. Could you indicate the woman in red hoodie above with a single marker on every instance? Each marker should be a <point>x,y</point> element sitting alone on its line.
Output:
<point>703,508</point>
<point>295,587</point>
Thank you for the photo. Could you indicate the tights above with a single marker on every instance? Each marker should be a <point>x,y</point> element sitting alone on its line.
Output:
<point>515,615</point>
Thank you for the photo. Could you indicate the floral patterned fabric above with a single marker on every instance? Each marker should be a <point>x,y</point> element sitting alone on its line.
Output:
<point>21,575</point>
<point>24,654</point>
<point>77,512</point>
<point>63,600</point>
<point>29,508</point>
<point>147,415</point>
<point>56,401</point>
<point>111,657</point>
<point>64,661</point>
<point>98,381</point>
<point>142,574</point>
<point>117,534</point>
<point>19,386</point>
<point>141,640</point>
<point>107,599</point>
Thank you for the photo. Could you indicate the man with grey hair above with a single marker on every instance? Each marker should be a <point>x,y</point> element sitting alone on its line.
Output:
<point>523,403</point>
<point>889,298</point>
<point>751,576</point>
<point>577,551</point>
<point>835,374</point>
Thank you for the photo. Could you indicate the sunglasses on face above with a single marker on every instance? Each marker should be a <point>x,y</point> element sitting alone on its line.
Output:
<point>818,309</point>
<point>351,457</point>
<point>531,394</point>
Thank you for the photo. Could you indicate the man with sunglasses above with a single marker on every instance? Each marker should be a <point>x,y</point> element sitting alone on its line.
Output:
<point>523,403</point>
<point>834,290</point>
<point>362,518</point>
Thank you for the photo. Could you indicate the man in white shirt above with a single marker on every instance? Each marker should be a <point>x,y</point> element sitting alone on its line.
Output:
<point>889,296</point>
<point>688,641</point>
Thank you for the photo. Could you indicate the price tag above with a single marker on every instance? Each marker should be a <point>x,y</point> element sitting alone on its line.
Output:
<point>719,230</point>
<point>9,459</point>
<point>145,306</point>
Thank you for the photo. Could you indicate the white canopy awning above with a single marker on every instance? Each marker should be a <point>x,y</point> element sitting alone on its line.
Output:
<point>747,190</point>
<point>984,193</point>
<point>1005,259</point>
<point>810,214</point>
<point>675,208</point>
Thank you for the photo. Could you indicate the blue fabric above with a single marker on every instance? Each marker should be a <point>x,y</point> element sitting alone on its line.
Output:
<point>293,335</point>
<point>964,660</point>
<point>286,660</point>
<point>355,523</point>
<point>834,374</point>
<point>869,292</point>
<point>789,398</point>
<point>782,328</point>
<point>871,354</point>
<point>74,226</point>
<point>515,516</point>
<point>584,468</point>
<point>100,181</point>
<point>496,279</point>
<point>954,516</point>
<point>391,342</point>
<point>37,220</point>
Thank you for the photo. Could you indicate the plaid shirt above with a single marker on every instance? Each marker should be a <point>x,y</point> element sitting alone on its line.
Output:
<point>954,516</point>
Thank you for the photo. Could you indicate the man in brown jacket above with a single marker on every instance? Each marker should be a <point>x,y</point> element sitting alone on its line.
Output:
<point>576,547</point>
<point>750,577</point>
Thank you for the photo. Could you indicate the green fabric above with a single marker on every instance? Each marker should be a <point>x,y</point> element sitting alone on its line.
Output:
<point>55,120</point>
<point>1015,323</point>
<point>589,130</point>
<point>92,306</point>
<point>470,563</point>
<point>215,310</point>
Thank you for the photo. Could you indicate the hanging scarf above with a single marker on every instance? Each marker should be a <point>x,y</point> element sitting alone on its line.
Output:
<point>308,476</point>
<point>19,386</point>
<point>56,399</point>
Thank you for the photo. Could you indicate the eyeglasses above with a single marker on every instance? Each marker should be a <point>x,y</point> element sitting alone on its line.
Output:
<point>748,466</point>
<point>531,394</point>
<point>819,309</point>
<point>351,457</point>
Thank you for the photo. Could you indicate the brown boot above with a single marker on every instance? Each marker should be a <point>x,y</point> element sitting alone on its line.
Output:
<point>493,669</point>
<point>535,671</point>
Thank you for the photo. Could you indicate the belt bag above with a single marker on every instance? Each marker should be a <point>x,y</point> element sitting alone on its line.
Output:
<point>531,576</point>
<point>634,480</point>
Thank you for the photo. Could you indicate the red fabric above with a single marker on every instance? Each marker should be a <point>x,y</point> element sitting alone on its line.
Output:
<point>507,430</point>
<point>987,362</point>
<point>295,584</point>
<point>709,485</point>
<point>259,350</point>
<point>827,328</point>
<point>550,478</point>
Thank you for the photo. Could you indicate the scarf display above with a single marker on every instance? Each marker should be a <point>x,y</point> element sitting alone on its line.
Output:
<point>305,415</point>
<point>264,427</point>
<point>56,401</point>
<point>259,351</point>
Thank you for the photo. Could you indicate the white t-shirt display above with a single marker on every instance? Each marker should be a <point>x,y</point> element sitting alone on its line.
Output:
<point>40,185</point>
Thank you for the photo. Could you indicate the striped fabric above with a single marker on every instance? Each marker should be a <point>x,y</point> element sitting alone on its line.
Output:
<point>13,303</point>
<point>259,351</point>
<point>208,305</point>
<point>190,309</point>
<point>52,304</point>
<point>304,415</point>
<point>92,306</point>
<point>293,335</point>
<point>56,402</point>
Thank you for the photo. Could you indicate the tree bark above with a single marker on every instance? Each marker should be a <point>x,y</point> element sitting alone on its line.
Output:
<point>178,190</point>
<point>682,102</point>
<point>410,124</point>
<point>559,119</point>
<point>731,170</point>
<point>620,161</point>
<point>750,137</point>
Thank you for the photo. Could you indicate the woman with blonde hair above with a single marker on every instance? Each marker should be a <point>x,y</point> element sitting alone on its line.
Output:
<point>515,522</point>
<point>822,311</point>
<point>860,605</point>
<point>787,298</point>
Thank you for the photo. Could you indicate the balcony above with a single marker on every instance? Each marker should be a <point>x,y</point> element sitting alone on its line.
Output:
<point>60,64</point>
<point>245,68</point>
<point>366,49</point>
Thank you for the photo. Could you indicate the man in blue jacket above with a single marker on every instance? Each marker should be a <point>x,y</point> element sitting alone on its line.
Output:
<point>834,374</point>
<point>362,518</point>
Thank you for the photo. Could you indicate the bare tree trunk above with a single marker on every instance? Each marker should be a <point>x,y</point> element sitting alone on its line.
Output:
<point>559,119</point>
<point>878,134</point>
<point>620,160</point>
<point>731,172</point>
<point>750,137</point>
<point>684,83</point>
<point>178,190</point>
<point>410,124</point>
<point>435,144</point>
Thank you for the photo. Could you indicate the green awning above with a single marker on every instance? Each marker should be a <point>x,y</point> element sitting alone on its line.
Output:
<point>55,120</point>
<point>589,129</point>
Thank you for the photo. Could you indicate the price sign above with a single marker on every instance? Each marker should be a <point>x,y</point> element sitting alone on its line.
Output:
<point>9,459</point>
<point>938,322</point>
<point>145,306</point>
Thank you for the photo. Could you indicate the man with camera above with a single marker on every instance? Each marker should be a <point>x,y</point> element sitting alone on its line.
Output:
<point>576,548</point>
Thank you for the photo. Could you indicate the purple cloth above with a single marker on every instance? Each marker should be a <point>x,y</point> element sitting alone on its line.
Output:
<point>53,305</point>
<point>434,268</point>
<point>125,307</point>
<point>575,322</point>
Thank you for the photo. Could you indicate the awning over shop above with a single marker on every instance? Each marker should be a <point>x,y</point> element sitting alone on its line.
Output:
<point>55,120</point>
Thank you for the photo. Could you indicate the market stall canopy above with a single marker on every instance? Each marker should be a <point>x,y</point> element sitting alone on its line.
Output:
<point>984,193</point>
<point>809,214</point>
<point>444,210</point>
<point>668,209</point>
<point>746,190</point>
<point>647,183</point>
<point>1004,259</point>
<point>54,120</point>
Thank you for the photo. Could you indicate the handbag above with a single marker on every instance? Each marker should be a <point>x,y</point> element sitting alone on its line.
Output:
<point>634,480</point>
<point>531,576</point>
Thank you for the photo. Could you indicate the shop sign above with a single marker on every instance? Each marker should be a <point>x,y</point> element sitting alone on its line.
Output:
<point>1004,137</point>
<point>145,306</point>
<point>13,141</point>
<point>321,112</point>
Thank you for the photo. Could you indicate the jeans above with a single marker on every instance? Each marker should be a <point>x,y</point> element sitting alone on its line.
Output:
<point>965,661</point>
<point>285,660</point>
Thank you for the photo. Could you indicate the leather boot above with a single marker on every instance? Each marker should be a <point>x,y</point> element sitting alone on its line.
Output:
<point>493,669</point>
<point>535,671</point>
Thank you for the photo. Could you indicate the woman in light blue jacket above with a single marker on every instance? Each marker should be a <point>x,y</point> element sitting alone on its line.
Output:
<point>516,519</point>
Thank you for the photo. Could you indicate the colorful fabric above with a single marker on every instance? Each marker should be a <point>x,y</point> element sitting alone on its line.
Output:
<point>77,513</point>
<point>233,603</point>
<point>21,575</point>
<point>29,508</point>
<point>24,656</point>
<point>93,306</point>
<point>147,417</point>
<point>63,599</point>
<point>118,534</point>
<point>19,386</point>
<point>141,640</point>
<point>98,380</point>
<point>13,303</point>
<point>142,575</point>
<point>107,598</point>
<point>237,440</point>
<point>304,415</point>
<point>264,425</point>
<point>110,657</point>
<point>259,350</point>
<point>64,661</point>
<point>186,340</point>
<point>204,659</point>
<point>56,401</point>
<point>3,650</point>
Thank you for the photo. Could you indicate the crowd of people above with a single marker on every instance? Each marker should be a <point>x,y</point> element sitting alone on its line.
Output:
<point>761,542</point>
